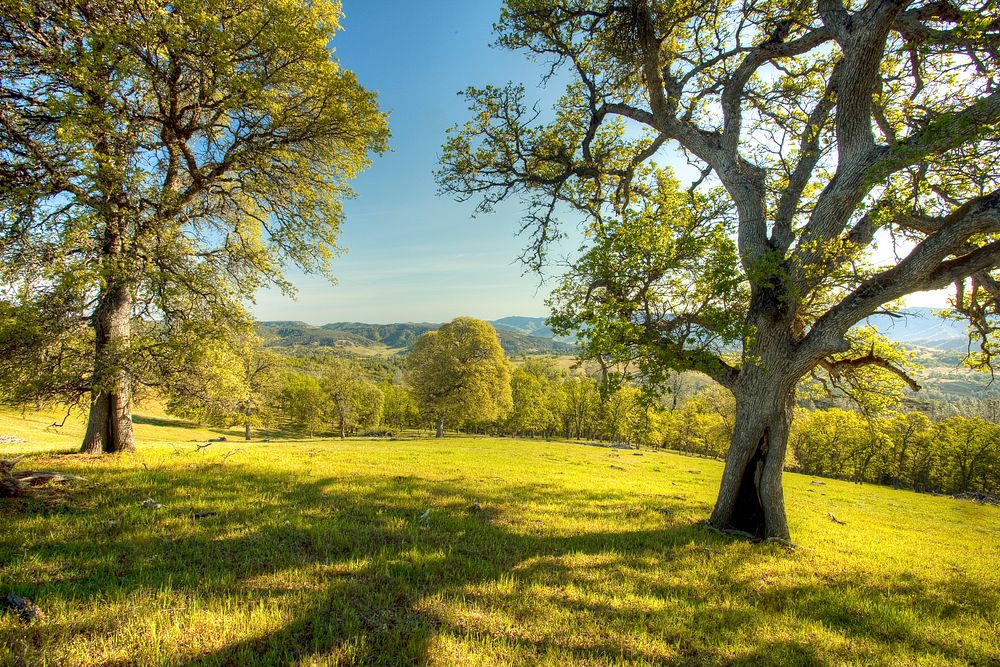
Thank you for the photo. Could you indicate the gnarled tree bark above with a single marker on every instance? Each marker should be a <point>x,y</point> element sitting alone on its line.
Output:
<point>812,170</point>
<point>750,495</point>
<point>109,427</point>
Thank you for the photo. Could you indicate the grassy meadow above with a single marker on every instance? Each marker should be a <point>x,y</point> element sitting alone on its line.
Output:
<point>471,551</point>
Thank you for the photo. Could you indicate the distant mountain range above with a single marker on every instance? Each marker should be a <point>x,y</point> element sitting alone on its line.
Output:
<point>914,327</point>
<point>518,335</point>
<point>939,344</point>
<point>920,327</point>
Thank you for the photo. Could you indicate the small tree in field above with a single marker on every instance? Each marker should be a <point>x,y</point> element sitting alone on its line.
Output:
<point>304,402</point>
<point>354,401</point>
<point>227,381</point>
<point>399,410</point>
<point>845,156</point>
<point>460,372</point>
<point>158,162</point>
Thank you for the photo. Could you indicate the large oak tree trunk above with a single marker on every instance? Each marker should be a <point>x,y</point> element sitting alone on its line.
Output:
<point>440,426</point>
<point>109,428</point>
<point>750,496</point>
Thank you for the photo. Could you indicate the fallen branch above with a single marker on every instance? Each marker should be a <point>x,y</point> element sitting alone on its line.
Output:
<point>979,497</point>
<point>230,453</point>
<point>25,609</point>
<point>31,477</point>
<point>13,485</point>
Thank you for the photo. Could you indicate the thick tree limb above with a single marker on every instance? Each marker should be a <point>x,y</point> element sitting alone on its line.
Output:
<point>781,234</point>
<point>836,367</point>
<point>938,136</point>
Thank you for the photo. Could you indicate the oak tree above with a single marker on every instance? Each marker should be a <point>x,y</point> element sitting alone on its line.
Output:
<point>223,381</point>
<point>460,372</point>
<point>159,162</point>
<point>304,403</point>
<point>843,155</point>
<point>354,400</point>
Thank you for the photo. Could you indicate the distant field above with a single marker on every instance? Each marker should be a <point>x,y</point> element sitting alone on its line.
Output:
<point>371,552</point>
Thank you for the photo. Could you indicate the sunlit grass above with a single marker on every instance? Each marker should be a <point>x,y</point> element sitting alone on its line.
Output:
<point>323,552</point>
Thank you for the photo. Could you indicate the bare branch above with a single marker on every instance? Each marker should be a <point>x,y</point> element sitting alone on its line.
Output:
<point>836,367</point>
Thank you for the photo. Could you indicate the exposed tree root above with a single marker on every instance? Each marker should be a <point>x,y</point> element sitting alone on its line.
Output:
<point>788,544</point>
<point>732,532</point>
<point>10,486</point>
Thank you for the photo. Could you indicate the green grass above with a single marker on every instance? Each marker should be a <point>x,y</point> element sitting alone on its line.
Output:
<point>321,553</point>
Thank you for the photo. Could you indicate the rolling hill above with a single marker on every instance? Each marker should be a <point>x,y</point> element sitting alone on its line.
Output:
<point>921,327</point>
<point>471,551</point>
<point>401,336</point>
<point>939,344</point>
<point>913,327</point>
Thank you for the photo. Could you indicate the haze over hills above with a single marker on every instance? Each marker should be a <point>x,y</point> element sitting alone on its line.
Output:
<point>531,326</point>
<point>939,344</point>
<point>920,327</point>
<point>516,339</point>
<point>914,327</point>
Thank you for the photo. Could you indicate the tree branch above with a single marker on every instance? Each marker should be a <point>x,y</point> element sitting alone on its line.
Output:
<point>836,367</point>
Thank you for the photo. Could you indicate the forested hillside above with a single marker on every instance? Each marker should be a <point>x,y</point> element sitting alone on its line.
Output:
<point>937,344</point>
<point>400,337</point>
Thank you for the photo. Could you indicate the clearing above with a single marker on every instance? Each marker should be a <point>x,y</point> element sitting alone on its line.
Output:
<point>471,551</point>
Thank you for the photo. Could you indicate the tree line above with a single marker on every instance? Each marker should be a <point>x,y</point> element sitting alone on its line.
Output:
<point>459,376</point>
<point>903,449</point>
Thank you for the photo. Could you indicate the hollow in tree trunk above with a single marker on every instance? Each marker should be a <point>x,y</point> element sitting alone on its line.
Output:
<point>109,427</point>
<point>751,499</point>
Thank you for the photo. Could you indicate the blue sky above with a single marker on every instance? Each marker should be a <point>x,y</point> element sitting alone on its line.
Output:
<point>413,255</point>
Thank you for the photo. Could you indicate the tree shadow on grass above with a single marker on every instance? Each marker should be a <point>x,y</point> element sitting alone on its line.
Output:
<point>234,433</point>
<point>399,585</point>
<point>170,422</point>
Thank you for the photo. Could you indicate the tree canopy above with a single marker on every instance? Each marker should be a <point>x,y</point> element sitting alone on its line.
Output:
<point>460,372</point>
<point>842,156</point>
<point>354,401</point>
<point>224,381</point>
<point>160,162</point>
